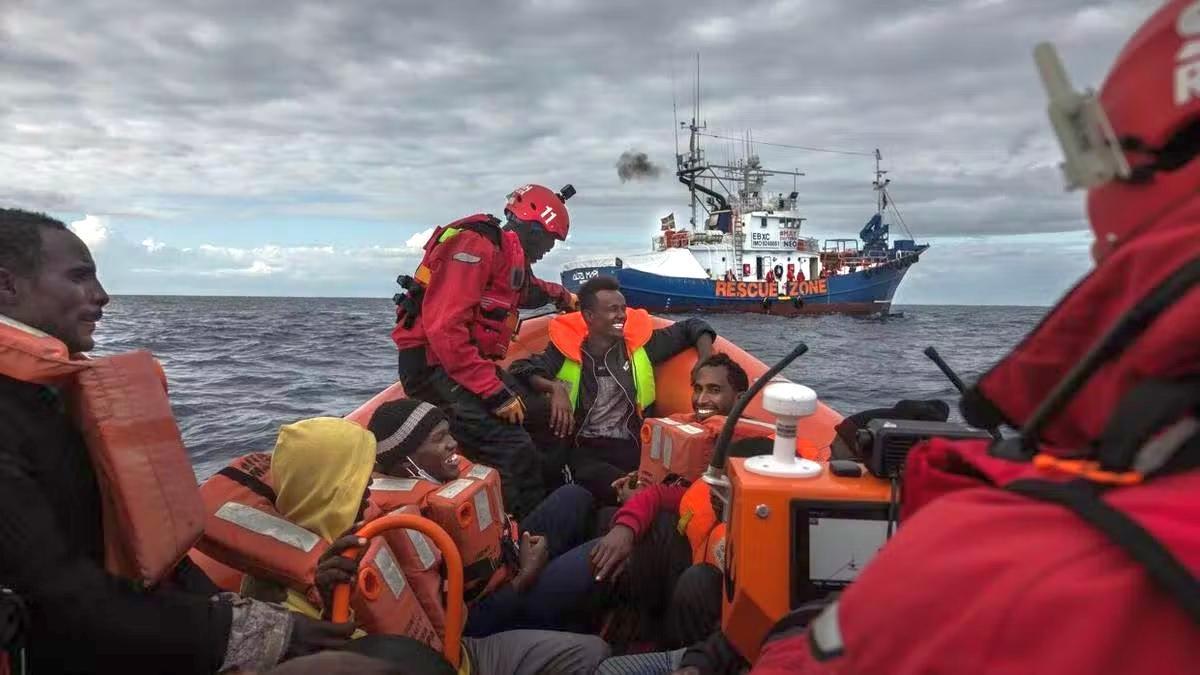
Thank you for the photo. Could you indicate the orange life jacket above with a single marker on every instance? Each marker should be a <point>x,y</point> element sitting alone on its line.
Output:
<point>698,522</point>
<point>471,511</point>
<point>390,492</point>
<point>151,509</point>
<point>246,532</point>
<point>384,602</point>
<point>682,446</point>
<point>421,562</point>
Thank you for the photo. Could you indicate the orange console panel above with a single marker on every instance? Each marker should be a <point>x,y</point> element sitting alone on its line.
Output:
<point>793,540</point>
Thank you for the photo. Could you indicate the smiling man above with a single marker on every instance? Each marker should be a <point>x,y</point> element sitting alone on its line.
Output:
<point>599,373</point>
<point>55,537</point>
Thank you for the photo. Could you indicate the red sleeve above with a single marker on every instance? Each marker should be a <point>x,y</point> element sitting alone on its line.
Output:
<point>459,272</point>
<point>549,287</point>
<point>791,656</point>
<point>639,512</point>
<point>539,292</point>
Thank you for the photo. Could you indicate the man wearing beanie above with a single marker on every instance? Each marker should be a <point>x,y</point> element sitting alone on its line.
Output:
<point>414,441</point>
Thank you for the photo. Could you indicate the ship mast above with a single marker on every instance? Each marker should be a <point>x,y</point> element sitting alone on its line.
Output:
<point>691,165</point>
<point>880,185</point>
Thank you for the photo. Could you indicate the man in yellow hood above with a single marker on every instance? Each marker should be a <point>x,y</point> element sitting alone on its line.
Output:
<point>320,469</point>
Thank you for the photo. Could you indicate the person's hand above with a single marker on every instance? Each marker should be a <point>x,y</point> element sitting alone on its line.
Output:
<point>704,347</point>
<point>310,636</point>
<point>533,556</point>
<point>625,486</point>
<point>511,410</point>
<point>334,569</point>
<point>562,414</point>
<point>568,302</point>
<point>611,553</point>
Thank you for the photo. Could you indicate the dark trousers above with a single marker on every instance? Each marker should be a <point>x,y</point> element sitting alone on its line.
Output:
<point>557,597</point>
<point>661,596</point>
<point>483,437</point>
<point>597,462</point>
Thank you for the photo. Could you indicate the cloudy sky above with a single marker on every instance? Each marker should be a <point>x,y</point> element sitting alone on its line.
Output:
<point>303,148</point>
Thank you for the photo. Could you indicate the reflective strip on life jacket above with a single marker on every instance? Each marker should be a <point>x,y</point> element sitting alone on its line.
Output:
<point>421,563</point>
<point>670,446</point>
<point>643,378</point>
<point>463,508</point>
<point>683,447</point>
<point>384,602</point>
<point>489,477</point>
<point>390,493</point>
<point>259,522</point>
<point>245,532</point>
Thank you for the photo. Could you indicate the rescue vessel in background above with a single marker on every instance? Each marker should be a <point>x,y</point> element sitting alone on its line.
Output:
<point>746,252</point>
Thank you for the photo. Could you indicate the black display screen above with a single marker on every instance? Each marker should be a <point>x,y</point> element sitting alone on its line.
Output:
<point>831,543</point>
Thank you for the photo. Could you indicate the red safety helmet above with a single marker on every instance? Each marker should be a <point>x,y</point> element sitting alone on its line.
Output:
<point>1151,99</point>
<point>538,204</point>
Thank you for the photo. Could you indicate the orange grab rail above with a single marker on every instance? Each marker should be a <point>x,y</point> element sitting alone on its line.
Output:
<point>451,644</point>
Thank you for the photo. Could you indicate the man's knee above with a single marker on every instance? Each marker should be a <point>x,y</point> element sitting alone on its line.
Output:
<point>579,653</point>
<point>573,499</point>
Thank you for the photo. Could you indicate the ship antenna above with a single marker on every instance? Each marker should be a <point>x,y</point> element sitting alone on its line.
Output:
<point>880,185</point>
<point>675,109</point>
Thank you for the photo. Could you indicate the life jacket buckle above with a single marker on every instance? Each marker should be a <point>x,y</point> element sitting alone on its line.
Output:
<point>1087,469</point>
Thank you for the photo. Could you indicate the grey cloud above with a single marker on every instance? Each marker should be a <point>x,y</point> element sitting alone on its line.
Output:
<point>417,112</point>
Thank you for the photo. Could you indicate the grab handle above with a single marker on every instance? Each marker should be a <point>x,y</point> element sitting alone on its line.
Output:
<point>451,644</point>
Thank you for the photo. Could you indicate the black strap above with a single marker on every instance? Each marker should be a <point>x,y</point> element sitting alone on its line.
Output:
<point>1143,412</point>
<point>476,577</point>
<point>1160,564</point>
<point>249,482</point>
<point>14,621</point>
<point>489,229</point>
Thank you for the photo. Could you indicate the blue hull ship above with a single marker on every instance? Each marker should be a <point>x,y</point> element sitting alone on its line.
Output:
<point>744,250</point>
<point>868,291</point>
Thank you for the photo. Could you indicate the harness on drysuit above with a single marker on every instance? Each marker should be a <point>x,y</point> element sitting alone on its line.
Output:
<point>408,301</point>
<point>1135,446</point>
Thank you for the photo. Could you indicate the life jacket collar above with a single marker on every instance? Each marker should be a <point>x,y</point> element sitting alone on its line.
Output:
<point>568,332</point>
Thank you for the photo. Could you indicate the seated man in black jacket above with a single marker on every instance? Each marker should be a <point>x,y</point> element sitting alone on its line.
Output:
<point>599,373</point>
<point>52,536</point>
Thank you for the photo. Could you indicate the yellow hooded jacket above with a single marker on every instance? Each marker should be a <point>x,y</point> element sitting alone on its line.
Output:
<point>321,468</point>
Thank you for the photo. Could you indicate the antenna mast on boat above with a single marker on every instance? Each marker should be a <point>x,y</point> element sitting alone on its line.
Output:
<point>881,200</point>
<point>689,166</point>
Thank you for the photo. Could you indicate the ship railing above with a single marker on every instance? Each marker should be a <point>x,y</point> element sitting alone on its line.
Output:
<point>807,244</point>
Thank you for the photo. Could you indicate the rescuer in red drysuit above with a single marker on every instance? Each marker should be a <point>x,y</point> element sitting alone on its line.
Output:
<point>1075,548</point>
<point>458,318</point>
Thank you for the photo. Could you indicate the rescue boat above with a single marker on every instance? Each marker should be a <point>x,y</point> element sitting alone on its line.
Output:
<point>228,540</point>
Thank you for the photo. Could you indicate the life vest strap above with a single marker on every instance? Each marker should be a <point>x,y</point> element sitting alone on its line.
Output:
<point>249,482</point>
<point>1084,499</point>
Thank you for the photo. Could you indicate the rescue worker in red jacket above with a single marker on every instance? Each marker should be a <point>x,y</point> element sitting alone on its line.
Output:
<point>1076,547</point>
<point>459,316</point>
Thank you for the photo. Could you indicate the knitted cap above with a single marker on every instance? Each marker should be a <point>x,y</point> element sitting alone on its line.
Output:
<point>401,426</point>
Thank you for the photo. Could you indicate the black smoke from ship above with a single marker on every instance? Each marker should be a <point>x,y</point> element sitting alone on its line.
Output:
<point>635,165</point>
